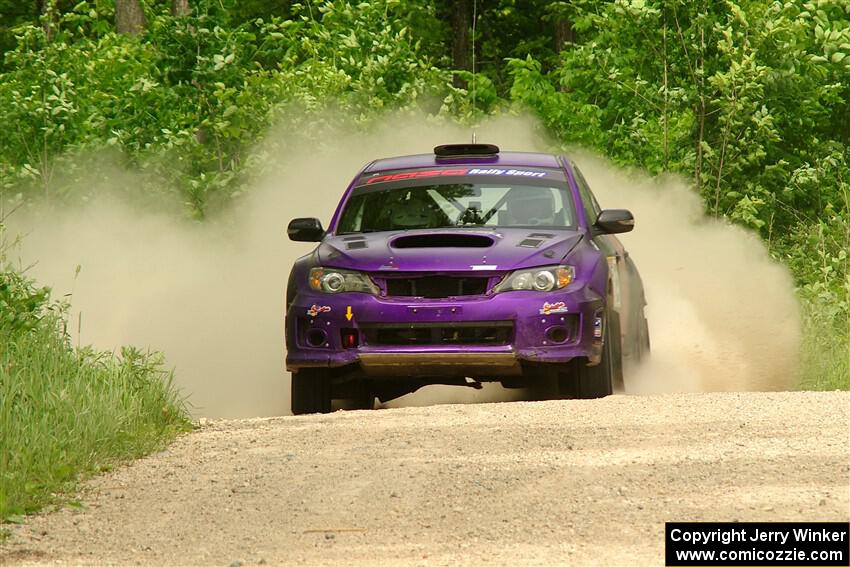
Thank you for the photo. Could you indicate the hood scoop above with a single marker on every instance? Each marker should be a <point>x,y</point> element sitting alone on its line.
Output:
<point>448,240</point>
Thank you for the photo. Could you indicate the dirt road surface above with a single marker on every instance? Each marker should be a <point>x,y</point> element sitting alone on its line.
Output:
<point>522,483</point>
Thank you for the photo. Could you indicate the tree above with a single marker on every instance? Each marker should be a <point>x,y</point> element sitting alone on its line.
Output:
<point>129,17</point>
<point>564,33</point>
<point>461,22</point>
<point>180,8</point>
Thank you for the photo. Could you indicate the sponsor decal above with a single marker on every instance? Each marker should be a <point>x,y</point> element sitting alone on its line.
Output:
<point>316,309</point>
<point>513,172</point>
<point>454,171</point>
<point>597,328</point>
<point>559,307</point>
<point>479,267</point>
<point>416,175</point>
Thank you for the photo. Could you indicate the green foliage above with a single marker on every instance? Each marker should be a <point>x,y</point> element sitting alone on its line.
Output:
<point>736,96</point>
<point>22,305</point>
<point>189,101</point>
<point>14,13</point>
<point>478,99</point>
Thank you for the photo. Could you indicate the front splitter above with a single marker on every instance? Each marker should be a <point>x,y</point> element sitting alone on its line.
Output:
<point>467,364</point>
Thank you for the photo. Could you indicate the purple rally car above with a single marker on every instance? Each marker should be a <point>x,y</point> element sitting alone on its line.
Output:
<point>459,267</point>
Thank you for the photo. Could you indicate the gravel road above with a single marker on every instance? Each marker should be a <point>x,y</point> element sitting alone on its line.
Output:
<point>519,483</point>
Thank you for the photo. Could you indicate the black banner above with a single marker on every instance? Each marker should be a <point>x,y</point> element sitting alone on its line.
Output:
<point>757,543</point>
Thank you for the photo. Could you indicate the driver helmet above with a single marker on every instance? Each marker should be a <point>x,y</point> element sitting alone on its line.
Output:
<point>417,210</point>
<point>531,207</point>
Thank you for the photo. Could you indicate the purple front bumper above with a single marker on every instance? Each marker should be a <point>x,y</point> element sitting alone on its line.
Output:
<point>475,336</point>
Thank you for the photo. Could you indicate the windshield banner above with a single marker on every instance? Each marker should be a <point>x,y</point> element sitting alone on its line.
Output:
<point>460,172</point>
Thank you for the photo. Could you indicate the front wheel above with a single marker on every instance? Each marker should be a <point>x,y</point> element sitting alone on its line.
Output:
<point>588,382</point>
<point>311,391</point>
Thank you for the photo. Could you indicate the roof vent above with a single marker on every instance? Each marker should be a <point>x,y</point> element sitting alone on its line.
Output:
<point>448,151</point>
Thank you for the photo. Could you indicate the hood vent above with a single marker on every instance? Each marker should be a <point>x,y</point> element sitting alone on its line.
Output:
<point>354,242</point>
<point>534,239</point>
<point>451,240</point>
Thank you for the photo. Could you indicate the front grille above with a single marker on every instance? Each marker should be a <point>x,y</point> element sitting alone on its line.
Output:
<point>436,334</point>
<point>436,286</point>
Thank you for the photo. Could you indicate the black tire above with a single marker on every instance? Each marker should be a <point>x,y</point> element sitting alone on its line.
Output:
<point>636,344</point>
<point>311,391</point>
<point>365,396</point>
<point>614,340</point>
<point>589,382</point>
<point>645,346</point>
<point>544,387</point>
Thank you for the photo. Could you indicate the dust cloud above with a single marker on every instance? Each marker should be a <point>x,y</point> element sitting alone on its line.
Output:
<point>722,314</point>
<point>211,295</point>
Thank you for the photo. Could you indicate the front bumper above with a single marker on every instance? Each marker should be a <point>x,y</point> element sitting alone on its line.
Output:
<point>428,337</point>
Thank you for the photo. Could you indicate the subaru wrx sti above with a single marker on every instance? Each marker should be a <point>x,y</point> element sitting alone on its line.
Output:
<point>463,266</point>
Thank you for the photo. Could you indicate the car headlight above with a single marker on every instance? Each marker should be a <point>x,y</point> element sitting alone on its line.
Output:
<point>538,279</point>
<point>332,280</point>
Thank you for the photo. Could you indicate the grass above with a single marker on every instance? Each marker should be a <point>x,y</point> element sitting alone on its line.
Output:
<point>825,358</point>
<point>67,412</point>
<point>826,345</point>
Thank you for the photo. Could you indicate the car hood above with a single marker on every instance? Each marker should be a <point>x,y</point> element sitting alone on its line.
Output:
<point>501,249</point>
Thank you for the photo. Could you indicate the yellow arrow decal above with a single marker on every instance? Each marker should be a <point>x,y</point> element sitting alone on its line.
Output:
<point>348,313</point>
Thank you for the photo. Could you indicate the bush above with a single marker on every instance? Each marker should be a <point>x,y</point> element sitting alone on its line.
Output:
<point>818,253</point>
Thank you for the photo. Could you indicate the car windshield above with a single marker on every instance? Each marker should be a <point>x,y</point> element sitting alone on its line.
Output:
<point>453,205</point>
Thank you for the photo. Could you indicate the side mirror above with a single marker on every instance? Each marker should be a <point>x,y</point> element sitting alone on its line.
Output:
<point>614,221</point>
<point>305,230</point>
